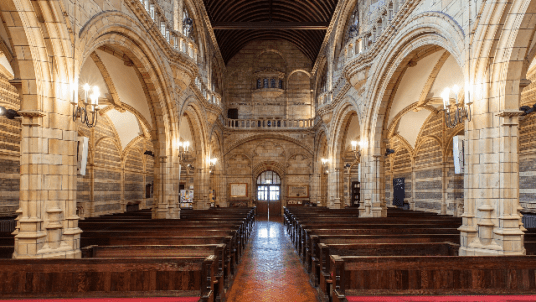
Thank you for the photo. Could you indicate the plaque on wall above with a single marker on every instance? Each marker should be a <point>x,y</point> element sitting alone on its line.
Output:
<point>239,190</point>
<point>399,192</point>
<point>298,191</point>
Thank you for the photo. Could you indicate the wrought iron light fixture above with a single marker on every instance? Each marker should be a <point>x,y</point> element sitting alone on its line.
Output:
<point>460,112</point>
<point>212,162</point>
<point>8,113</point>
<point>184,154</point>
<point>325,162</point>
<point>89,111</point>
<point>526,109</point>
<point>355,149</point>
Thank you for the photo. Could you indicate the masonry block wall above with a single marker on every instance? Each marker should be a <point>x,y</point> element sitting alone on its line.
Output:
<point>118,177</point>
<point>292,162</point>
<point>424,170</point>
<point>10,131</point>
<point>270,56</point>
<point>527,150</point>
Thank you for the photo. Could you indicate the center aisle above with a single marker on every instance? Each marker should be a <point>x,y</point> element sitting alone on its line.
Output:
<point>270,269</point>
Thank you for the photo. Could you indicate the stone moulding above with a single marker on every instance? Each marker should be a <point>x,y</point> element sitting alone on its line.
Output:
<point>387,35</point>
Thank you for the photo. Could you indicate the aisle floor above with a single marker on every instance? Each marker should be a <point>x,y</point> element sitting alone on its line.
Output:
<point>270,269</point>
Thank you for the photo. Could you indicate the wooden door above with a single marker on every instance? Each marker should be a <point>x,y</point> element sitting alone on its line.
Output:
<point>275,207</point>
<point>262,207</point>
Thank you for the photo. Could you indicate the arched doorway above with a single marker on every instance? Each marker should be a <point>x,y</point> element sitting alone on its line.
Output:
<point>269,193</point>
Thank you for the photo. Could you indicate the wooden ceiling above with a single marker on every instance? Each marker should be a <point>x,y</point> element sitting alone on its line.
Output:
<point>238,22</point>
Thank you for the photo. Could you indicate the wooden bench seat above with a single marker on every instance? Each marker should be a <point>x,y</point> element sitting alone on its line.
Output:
<point>321,267</point>
<point>312,252</point>
<point>222,273</point>
<point>116,277</point>
<point>435,275</point>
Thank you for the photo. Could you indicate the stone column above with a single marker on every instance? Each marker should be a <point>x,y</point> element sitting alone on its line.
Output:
<point>201,188</point>
<point>334,199</point>
<point>444,183</point>
<point>47,215</point>
<point>491,220</point>
<point>372,199</point>
<point>178,8</point>
<point>166,189</point>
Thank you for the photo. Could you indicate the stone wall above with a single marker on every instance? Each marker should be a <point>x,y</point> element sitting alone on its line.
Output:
<point>273,57</point>
<point>10,131</point>
<point>292,162</point>
<point>118,177</point>
<point>424,170</point>
<point>527,150</point>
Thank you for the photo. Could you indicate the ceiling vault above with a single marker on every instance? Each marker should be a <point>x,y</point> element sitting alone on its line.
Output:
<point>238,22</point>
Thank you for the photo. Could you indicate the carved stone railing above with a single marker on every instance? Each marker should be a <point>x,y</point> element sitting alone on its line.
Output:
<point>176,39</point>
<point>209,95</point>
<point>324,98</point>
<point>268,124</point>
<point>382,14</point>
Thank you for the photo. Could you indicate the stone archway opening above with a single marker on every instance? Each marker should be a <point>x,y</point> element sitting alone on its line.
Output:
<point>269,194</point>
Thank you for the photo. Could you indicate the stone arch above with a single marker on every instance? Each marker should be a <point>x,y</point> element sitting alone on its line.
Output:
<point>269,166</point>
<point>343,115</point>
<point>129,37</point>
<point>267,137</point>
<point>30,42</point>
<point>513,45</point>
<point>423,30</point>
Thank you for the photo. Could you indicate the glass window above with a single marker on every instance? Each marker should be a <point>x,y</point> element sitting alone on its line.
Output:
<point>269,178</point>
<point>272,82</point>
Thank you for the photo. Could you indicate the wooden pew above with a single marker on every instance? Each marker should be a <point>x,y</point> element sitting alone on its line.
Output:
<point>443,275</point>
<point>167,251</point>
<point>364,230</point>
<point>321,273</point>
<point>234,248</point>
<point>312,256</point>
<point>109,278</point>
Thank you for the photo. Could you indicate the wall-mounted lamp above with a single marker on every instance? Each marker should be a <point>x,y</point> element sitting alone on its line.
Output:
<point>184,152</point>
<point>325,162</point>
<point>389,151</point>
<point>526,109</point>
<point>150,153</point>
<point>90,107</point>
<point>212,163</point>
<point>461,112</point>
<point>356,148</point>
<point>8,113</point>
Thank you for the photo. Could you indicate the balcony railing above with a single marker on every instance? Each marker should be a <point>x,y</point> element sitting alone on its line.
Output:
<point>269,124</point>
<point>175,39</point>
<point>382,14</point>
<point>210,96</point>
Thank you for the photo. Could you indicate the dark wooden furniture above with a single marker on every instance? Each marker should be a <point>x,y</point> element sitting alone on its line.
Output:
<point>356,194</point>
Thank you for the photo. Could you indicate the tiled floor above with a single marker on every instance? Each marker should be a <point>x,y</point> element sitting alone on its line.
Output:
<point>270,269</point>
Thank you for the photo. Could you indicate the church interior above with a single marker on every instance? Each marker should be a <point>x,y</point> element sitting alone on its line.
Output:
<point>268,150</point>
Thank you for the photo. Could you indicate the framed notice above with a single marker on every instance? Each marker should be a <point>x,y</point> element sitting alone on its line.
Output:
<point>239,190</point>
<point>298,191</point>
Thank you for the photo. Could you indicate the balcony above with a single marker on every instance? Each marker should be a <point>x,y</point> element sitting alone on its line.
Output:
<point>269,124</point>
<point>175,39</point>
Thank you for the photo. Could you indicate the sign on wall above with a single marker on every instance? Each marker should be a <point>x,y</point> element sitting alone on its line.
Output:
<point>399,192</point>
<point>458,146</point>
<point>239,190</point>
<point>295,191</point>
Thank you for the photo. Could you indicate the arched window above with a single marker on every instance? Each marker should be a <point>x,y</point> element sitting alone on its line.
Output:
<point>269,178</point>
<point>187,24</point>
<point>353,23</point>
